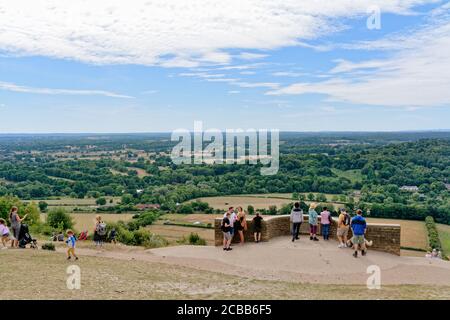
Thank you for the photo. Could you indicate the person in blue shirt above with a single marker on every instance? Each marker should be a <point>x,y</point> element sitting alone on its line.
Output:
<point>359,228</point>
<point>71,240</point>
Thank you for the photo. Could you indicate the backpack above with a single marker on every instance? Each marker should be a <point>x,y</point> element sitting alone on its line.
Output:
<point>346,220</point>
<point>101,229</point>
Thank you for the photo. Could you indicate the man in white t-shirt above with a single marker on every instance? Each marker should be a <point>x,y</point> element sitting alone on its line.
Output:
<point>232,219</point>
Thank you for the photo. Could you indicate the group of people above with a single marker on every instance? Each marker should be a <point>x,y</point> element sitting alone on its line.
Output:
<point>235,221</point>
<point>100,234</point>
<point>345,222</point>
<point>12,233</point>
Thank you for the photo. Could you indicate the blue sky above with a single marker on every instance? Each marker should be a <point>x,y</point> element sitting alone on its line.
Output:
<point>107,66</point>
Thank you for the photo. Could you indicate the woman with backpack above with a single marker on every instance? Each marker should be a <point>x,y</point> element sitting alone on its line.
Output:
<point>343,227</point>
<point>99,231</point>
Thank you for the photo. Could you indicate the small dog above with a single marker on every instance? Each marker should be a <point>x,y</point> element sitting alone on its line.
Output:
<point>368,243</point>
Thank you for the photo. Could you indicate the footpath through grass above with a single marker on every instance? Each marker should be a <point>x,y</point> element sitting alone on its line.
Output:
<point>43,276</point>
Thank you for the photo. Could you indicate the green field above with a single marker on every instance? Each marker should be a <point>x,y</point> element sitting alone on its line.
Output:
<point>444,236</point>
<point>352,175</point>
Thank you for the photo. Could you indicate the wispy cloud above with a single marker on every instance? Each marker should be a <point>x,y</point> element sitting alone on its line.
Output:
<point>288,74</point>
<point>149,92</point>
<point>415,74</point>
<point>271,85</point>
<point>172,33</point>
<point>51,91</point>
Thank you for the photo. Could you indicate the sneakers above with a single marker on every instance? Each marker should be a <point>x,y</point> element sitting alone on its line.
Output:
<point>310,238</point>
<point>315,239</point>
<point>355,254</point>
<point>68,258</point>
<point>363,253</point>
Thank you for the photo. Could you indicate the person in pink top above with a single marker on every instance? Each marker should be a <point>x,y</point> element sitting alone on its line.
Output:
<point>325,220</point>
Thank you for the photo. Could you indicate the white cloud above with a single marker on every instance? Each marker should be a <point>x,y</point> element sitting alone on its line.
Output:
<point>24,89</point>
<point>416,73</point>
<point>171,33</point>
<point>251,56</point>
<point>271,85</point>
<point>233,92</point>
<point>288,74</point>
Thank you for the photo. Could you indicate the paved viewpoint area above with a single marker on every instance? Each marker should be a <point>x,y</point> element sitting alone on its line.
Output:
<point>305,261</point>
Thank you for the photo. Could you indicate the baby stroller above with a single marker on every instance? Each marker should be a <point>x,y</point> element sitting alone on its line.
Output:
<point>25,238</point>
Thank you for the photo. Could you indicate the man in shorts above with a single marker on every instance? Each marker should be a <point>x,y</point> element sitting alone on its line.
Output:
<point>226,232</point>
<point>343,227</point>
<point>359,228</point>
<point>257,227</point>
<point>232,217</point>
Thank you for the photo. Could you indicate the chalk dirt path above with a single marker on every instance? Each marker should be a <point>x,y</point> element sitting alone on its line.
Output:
<point>301,262</point>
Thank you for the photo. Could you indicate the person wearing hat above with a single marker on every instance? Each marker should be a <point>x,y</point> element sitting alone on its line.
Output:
<point>312,213</point>
<point>343,227</point>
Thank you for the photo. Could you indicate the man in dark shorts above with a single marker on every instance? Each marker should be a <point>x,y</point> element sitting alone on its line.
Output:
<point>257,226</point>
<point>226,232</point>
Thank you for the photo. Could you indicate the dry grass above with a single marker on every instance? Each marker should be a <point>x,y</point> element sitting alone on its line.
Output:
<point>413,233</point>
<point>141,172</point>
<point>174,233</point>
<point>75,202</point>
<point>244,201</point>
<point>86,221</point>
<point>43,276</point>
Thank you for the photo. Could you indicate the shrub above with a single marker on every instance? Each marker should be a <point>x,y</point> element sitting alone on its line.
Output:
<point>251,209</point>
<point>43,206</point>
<point>433,235</point>
<point>42,228</point>
<point>59,219</point>
<point>48,246</point>
<point>33,214</point>
<point>101,201</point>
<point>273,210</point>
<point>193,239</point>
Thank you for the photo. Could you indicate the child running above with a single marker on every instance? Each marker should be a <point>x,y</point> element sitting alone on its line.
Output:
<point>4,233</point>
<point>71,244</point>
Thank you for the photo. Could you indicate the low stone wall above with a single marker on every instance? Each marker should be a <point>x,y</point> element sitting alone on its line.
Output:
<point>385,237</point>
